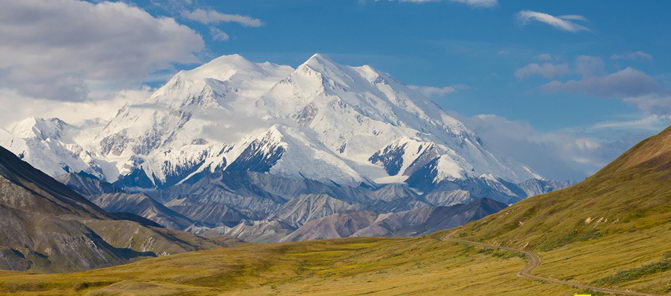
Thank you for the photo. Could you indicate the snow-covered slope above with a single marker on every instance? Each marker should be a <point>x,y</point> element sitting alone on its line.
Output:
<point>321,121</point>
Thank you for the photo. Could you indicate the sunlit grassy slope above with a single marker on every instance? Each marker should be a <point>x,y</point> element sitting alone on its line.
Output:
<point>612,230</point>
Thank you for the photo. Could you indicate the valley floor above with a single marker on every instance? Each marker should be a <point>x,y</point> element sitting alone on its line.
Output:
<point>368,266</point>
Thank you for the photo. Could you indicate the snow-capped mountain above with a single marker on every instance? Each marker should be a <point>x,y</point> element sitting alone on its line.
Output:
<point>332,124</point>
<point>321,121</point>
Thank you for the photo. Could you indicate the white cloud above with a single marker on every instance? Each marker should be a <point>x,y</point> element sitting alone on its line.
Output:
<point>629,85</point>
<point>15,107</point>
<point>432,91</point>
<point>565,22</point>
<point>546,70</point>
<point>209,16</point>
<point>545,57</point>
<point>472,3</point>
<point>653,123</point>
<point>503,53</point>
<point>636,55</point>
<point>573,17</point>
<point>588,66</point>
<point>58,49</point>
<point>652,103</point>
<point>571,153</point>
<point>477,3</point>
<point>625,83</point>
<point>218,35</point>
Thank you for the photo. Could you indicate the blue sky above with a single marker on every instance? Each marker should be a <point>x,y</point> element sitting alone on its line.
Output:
<point>447,43</point>
<point>565,86</point>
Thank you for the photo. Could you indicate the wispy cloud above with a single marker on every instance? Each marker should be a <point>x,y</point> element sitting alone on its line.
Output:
<point>545,57</point>
<point>477,3</point>
<point>658,103</point>
<point>15,106</point>
<point>433,91</point>
<point>628,85</point>
<point>563,22</point>
<point>218,35</point>
<point>588,66</point>
<point>652,123</point>
<point>568,153</point>
<point>546,70</point>
<point>472,3</point>
<point>636,55</point>
<point>209,16</point>
<point>625,83</point>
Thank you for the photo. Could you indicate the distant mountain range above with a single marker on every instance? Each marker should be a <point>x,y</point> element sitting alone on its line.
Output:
<point>237,143</point>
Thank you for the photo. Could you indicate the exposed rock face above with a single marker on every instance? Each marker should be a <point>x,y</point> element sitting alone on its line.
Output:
<point>334,226</point>
<point>144,206</point>
<point>250,231</point>
<point>406,223</point>
<point>308,207</point>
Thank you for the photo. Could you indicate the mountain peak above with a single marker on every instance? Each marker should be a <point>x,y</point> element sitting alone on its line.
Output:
<point>222,68</point>
<point>38,127</point>
<point>319,62</point>
<point>318,57</point>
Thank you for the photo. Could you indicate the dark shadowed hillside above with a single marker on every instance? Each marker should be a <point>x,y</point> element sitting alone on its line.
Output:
<point>47,227</point>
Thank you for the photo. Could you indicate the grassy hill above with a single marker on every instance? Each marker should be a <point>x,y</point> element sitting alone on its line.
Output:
<point>631,194</point>
<point>612,230</point>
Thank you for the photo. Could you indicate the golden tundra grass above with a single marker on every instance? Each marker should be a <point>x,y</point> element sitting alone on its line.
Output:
<point>420,266</point>
<point>362,266</point>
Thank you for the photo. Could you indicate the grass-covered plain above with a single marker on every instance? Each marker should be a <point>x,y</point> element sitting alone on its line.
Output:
<point>362,266</point>
<point>418,266</point>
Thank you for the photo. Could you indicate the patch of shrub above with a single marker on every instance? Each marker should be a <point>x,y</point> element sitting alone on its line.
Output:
<point>635,273</point>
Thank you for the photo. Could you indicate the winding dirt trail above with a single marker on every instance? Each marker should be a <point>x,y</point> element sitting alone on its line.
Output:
<point>533,261</point>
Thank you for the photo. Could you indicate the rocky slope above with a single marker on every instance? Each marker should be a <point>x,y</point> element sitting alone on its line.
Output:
<point>405,223</point>
<point>144,206</point>
<point>354,222</point>
<point>47,227</point>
